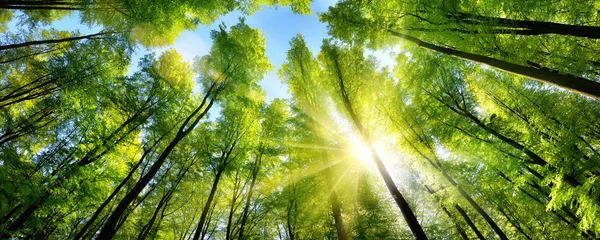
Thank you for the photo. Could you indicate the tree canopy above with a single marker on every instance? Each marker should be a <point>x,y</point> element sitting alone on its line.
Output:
<point>486,125</point>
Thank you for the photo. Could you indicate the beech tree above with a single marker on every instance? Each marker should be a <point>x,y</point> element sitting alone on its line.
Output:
<point>482,122</point>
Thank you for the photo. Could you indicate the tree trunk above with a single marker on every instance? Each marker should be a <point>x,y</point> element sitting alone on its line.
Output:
<point>12,7</point>
<point>438,166</point>
<point>337,217</point>
<point>237,192</point>
<point>407,212</point>
<point>292,211</point>
<point>571,180</point>
<point>572,83</point>
<point>207,205</point>
<point>43,42</point>
<point>461,231</point>
<point>469,222</point>
<point>37,3</point>
<point>533,27</point>
<point>246,211</point>
<point>112,195</point>
<point>110,228</point>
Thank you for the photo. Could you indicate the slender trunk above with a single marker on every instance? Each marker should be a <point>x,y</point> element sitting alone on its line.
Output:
<point>50,41</point>
<point>533,27</point>
<point>18,223</point>
<point>162,205</point>
<point>536,159</point>
<point>469,222</point>
<point>292,210</point>
<point>207,205</point>
<point>525,32</point>
<point>514,223</point>
<point>572,83</point>
<point>206,229</point>
<point>10,213</point>
<point>109,143</point>
<point>237,191</point>
<point>333,199</point>
<point>110,228</point>
<point>438,166</point>
<point>5,61</point>
<point>290,225</point>
<point>37,3</point>
<point>477,208</point>
<point>533,156</point>
<point>246,211</point>
<point>461,231</point>
<point>41,8</point>
<point>109,199</point>
<point>407,212</point>
<point>230,219</point>
<point>337,217</point>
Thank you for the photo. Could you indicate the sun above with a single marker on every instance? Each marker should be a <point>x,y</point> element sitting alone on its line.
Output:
<point>360,152</point>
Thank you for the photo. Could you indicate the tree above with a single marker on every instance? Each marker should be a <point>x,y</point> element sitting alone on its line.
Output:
<point>346,85</point>
<point>346,22</point>
<point>219,73</point>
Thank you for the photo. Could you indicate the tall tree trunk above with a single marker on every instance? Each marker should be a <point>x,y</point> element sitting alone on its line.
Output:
<point>572,83</point>
<point>469,222</point>
<point>438,166</point>
<point>112,195</point>
<point>163,203</point>
<point>292,211</point>
<point>476,206</point>
<point>14,7</point>
<point>237,191</point>
<point>533,27</point>
<point>246,211</point>
<point>37,3</point>
<point>536,159</point>
<point>337,217</point>
<point>407,212</point>
<point>199,229</point>
<point>461,231</point>
<point>110,228</point>
<point>50,41</point>
<point>514,223</point>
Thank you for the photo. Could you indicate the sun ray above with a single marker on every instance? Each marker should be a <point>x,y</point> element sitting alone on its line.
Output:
<point>310,171</point>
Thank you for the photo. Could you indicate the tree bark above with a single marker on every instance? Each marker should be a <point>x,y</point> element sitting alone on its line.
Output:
<point>461,231</point>
<point>532,27</point>
<point>438,166</point>
<point>207,205</point>
<point>572,83</point>
<point>110,228</point>
<point>246,211</point>
<point>107,201</point>
<point>469,222</point>
<point>162,205</point>
<point>407,212</point>
<point>50,41</point>
<point>536,159</point>
<point>337,217</point>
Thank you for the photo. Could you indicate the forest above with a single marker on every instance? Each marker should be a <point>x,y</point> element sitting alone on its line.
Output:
<point>484,122</point>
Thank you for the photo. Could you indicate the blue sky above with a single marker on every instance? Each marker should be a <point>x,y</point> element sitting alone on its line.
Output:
<point>279,26</point>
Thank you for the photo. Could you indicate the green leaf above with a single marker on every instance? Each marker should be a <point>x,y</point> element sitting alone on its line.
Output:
<point>9,188</point>
<point>25,190</point>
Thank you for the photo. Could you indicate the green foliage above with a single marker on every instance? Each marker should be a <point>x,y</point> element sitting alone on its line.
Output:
<point>469,147</point>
